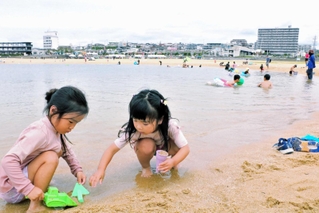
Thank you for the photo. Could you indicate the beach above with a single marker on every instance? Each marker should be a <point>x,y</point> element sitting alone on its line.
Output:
<point>252,178</point>
<point>255,178</point>
<point>278,66</point>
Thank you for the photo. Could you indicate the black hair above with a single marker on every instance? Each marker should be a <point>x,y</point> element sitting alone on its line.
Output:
<point>148,104</point>
<point>67,99</point>
<point>267,76</point>
<point>236,77</point>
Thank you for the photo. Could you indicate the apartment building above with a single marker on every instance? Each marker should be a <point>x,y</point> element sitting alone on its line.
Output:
<point>278,41</point>
<point>16,48</point>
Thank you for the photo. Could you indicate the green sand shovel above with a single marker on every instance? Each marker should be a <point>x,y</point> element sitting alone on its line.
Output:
<point>54,198</point>
<point>79,191</point>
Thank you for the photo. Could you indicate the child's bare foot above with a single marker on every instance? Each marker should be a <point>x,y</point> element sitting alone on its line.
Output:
<point>146,172</point>
<point>36,207</point>
<point>176,167</point>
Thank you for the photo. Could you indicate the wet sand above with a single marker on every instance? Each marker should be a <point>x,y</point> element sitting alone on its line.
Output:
<point>254,178</point>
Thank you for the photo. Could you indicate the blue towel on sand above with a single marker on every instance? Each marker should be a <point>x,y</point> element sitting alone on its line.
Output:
<point>310,138</point>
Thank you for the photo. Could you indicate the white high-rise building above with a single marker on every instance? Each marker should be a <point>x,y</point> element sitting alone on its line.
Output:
<point>50,40</point>
<point>278,41</point>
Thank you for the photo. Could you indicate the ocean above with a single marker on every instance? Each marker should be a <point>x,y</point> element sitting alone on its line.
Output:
<point>215,120</point>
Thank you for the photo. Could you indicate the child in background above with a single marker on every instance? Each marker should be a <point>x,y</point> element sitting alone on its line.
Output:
<point>227,66</point>
<point>292,70</point>
<point>261,68</point>
<point>246,72</point>
<point>234,82</point>
<point>149,128</point>
<point>306,58</point>
<point>234,65</point>
<point>266,84</point>
<point>28,167</point>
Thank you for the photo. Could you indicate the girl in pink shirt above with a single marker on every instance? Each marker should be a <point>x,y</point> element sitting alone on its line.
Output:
<point>149,128</point>
<point>307,58</point>
<point>28,167</point>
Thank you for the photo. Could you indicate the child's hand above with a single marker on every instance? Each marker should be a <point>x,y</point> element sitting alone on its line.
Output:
<point>97,177</point>
<point>81,177</point>
<point>36,194</point>
<point>166,166</point>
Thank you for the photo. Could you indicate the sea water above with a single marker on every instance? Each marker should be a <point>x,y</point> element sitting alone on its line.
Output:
<point>215,120</point>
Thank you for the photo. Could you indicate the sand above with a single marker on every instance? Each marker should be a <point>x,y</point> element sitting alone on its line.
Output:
<point>255,178</point>
<point>278,66</point>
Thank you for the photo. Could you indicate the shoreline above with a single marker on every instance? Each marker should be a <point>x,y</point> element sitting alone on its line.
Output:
<point>276,66</point>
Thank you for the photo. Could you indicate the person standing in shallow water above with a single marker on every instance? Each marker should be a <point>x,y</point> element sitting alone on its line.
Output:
<point>149,128</point>
<point>311,64</point>
<point>268,60</point>
<point>28,167</point>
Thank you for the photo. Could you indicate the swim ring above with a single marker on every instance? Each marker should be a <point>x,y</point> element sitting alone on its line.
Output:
<point>218,82</point>
<point>245,75</point>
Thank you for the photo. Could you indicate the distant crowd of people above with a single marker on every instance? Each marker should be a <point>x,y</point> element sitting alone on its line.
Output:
<point>266,83</point>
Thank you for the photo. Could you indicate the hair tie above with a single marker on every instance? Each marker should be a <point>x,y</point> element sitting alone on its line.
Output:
<point>164,102</point>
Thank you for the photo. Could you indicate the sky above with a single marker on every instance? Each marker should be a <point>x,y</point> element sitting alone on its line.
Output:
<point>82,22</point>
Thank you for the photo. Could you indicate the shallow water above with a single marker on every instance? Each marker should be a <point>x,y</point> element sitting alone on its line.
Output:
<point>215,120</point>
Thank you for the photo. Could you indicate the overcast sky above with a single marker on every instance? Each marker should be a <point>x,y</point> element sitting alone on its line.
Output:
<point>79,22</point>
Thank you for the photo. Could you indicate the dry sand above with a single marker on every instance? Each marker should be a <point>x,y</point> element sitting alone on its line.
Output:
<point>255,178</point>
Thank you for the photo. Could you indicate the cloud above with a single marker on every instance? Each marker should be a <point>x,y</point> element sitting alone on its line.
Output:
<point>81,22</point>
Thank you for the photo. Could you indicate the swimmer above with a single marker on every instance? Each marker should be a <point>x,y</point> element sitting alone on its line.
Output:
<point>234,82</point>
<point>247,71</point>
<point>266,84</point>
